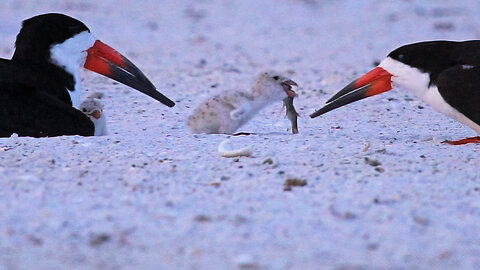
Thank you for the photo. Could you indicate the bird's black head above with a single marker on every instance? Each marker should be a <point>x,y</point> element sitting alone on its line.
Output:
<point>431,57</point>
<point>64,45</point>
<point>40,33</point>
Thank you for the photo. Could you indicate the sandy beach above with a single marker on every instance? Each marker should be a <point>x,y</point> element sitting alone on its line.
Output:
<point>382,191</point>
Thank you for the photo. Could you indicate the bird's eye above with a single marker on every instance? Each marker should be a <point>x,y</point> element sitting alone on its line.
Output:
<point>276,78</point>
<point>84,110</point>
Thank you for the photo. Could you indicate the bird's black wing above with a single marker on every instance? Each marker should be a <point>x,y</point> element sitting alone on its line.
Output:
<point>46,78</point>
<point>460,87</point>
<point>27,111</point>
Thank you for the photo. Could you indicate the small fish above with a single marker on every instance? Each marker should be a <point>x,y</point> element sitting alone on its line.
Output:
<point>291,113</point>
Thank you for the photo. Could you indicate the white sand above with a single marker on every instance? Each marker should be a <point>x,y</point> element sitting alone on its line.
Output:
<point>152,196</point>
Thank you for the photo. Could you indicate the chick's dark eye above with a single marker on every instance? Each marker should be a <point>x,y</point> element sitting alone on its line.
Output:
<point>84,110</point>
<point>276,78</point>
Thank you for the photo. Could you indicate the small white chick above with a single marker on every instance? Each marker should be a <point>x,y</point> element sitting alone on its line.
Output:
<point>227,111</point>
<point>93,108</point>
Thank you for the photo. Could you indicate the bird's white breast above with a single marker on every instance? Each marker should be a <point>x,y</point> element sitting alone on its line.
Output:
<point>408,77</point>
<point>418,82</point>
<point>71,55</point>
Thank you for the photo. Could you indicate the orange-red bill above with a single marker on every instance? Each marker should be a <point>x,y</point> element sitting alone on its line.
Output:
<point>105,60</point>
<point>464,141</point>
<point>372,83</point>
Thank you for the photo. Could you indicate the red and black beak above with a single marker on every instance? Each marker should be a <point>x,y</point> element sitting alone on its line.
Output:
<point>105,60</point>
<point>372,83</point>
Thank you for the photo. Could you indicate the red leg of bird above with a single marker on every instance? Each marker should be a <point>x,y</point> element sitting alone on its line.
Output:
<point>464,141</point>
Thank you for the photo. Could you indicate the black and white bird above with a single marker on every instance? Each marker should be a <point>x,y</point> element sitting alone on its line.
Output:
<point>445,74</point>
<point>40,87</point>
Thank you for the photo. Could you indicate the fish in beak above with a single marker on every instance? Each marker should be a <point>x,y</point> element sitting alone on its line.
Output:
<point>287,87</point>
<point>105,60</point>
<point>375,82</point>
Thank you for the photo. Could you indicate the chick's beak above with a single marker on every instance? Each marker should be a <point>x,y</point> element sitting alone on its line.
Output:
<point>287,87</point>
<point>96,114</point>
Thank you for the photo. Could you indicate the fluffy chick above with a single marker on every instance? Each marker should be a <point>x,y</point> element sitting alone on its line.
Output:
<point>227,111</point>
<point>93,108</point>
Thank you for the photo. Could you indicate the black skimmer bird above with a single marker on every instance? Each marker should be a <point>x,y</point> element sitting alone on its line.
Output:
<point>229,110</point>
<point>41,82</point>
<point>445,74</point>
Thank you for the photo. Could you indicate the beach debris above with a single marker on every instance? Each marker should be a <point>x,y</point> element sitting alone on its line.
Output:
<point>246,262</point>
<point>374,163</point>
<point>343,214</point>
<point>99,239</point>
<point>203,218</point>
<point>268,161</point>
<point>294,182</point>
<point>229,153</point>
<point>214,183</point>
<point>367,147</point>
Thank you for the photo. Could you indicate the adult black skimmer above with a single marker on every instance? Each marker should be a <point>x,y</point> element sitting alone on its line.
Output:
<point>445,74</point>
<point>41,82</point>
